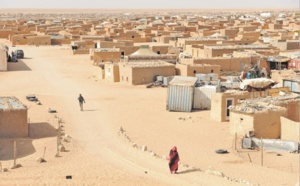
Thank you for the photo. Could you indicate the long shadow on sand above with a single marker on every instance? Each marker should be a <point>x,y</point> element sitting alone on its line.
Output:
<point>18,66</point>
<point>189,171</point>
<point>41,130</point>
<point>90,110</point>
<point>24,148</point>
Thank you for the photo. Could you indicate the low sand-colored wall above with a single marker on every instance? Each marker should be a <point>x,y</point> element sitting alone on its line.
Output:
<point>290,130</point>
<point>13,123</point>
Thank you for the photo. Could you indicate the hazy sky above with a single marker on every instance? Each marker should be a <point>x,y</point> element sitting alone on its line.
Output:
<point>149,4</point>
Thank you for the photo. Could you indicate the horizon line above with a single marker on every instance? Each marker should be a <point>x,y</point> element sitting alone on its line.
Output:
<point>156,8</point>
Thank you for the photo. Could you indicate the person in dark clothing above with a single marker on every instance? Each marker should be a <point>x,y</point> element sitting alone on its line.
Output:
<point>173,160</point>
<point>81,100</point>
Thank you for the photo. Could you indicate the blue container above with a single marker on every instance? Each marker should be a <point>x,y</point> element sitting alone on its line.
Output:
<point>248,76</point>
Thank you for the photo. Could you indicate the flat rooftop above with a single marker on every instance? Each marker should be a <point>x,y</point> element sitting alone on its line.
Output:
<point>145,64</point>
<point>202,39</point>
<point>239,47</point>
<point>11,103</point>
<point>107,50</point>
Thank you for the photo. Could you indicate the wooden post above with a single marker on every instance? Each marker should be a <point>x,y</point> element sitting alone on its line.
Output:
<point>58,138</point>
<point>235,137</point>
<point>249,158</point>
<point>28,127</point>
<point>44,153</point>
<point>262,152</point>
<point>15,152</point>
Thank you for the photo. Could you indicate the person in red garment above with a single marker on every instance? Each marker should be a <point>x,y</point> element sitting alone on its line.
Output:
<point>173,160</point>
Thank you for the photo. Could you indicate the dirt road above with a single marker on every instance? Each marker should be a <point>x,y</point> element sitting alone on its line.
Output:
<point>97,154</point>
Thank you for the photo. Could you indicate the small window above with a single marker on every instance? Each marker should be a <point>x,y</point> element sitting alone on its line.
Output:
<point>158,52</point>
<point>194,71</point>
<point>132,36</point>
<point>211,71</point>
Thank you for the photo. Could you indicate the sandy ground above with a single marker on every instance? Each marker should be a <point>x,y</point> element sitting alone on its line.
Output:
<point>97,154</point>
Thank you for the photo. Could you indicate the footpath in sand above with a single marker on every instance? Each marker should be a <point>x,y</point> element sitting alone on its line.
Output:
<point>98,154</point>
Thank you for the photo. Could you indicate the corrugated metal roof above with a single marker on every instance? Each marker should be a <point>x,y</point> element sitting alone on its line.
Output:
<point>183,81</point>
<point>11,103</point>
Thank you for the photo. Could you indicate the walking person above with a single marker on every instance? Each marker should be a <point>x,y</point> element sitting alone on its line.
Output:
<point>173,160</point>
<point>81,100</point>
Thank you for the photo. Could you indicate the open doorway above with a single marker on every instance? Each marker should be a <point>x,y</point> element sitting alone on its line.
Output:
<point>229,101</point>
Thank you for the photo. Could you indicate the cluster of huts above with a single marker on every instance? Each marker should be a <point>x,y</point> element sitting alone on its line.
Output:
<point>193,52</point>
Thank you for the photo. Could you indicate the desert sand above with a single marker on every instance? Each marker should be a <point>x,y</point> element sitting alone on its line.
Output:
<point>97,154</point>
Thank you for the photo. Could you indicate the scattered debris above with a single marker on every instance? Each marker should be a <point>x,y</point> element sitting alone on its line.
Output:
<point>4,170</point>
<point>144,148</point>
<point>16,166</point>
<point>185,118</point>
<point>61,148</point>
<point>51,110</point>
<point>153,153</point>
<point>40,160</point>
<point>65,139</point>
<point>214,172</point>
<point>221,151</point>
<point>32,98</point>
<point>164,157</point>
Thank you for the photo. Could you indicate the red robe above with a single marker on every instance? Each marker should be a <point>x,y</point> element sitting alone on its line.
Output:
<point>173,159</point>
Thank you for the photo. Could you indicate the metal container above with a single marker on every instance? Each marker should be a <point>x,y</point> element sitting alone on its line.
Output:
<point>159,78</point>
<point>202,77</point>
<point>202,97</point>
<point>181,94</point>
<point>212,77</point>
<point>166,80</point>
<point>231,79</point>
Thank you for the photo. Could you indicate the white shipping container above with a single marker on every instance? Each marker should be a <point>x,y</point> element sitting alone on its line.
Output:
<point>202,96</point>
<point>166,80</point>
<point>231,79</point>
<point>212,77</point>
<point>181,94</point>
<point>202,77</point>
<point>180,98</point>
